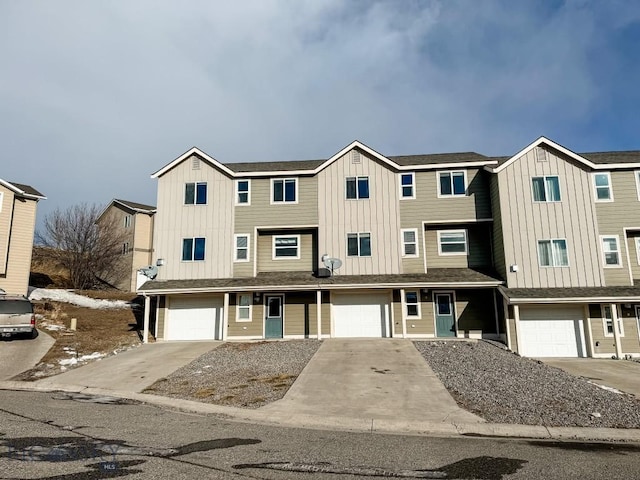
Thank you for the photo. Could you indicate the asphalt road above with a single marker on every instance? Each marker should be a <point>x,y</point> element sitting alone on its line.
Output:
<point>71,436</point>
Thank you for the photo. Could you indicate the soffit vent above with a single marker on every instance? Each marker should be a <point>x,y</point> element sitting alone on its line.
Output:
<point>195,163</point>
<point>541,154</point>
<point>355,156</point>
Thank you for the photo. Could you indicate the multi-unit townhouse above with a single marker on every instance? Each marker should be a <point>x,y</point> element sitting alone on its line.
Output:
<point>18,204</point>
<point>133,223</point>
<point>532,249</point>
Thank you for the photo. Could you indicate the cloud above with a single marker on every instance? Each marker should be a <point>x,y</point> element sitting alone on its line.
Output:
<point>94,96</point>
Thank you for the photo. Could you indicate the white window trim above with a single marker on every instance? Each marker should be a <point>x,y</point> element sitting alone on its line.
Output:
<point>193,250</point>
<point>637,176</point>
<point>250,306</point>
<point>127,221</point>
<point>284,202</point>
<point>406,305</point>
<point>403,243</point>
<point>604,321</point>
<point>248,202</point>
<point>546,190</point>
<point>195,194</point>
<point>413,185</point>
<point>273,246</point>
<point>595,188</point>
<point>453,195</point>
<point>235,248</point>
<point>357,177</point>
<point>358,237</point>
<point>466,243</point>
<point>566,244</point>
<point>618,251</point>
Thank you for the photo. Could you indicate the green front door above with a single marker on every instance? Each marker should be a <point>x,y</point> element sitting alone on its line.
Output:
<point>273,319</point>
<point>445,316</point>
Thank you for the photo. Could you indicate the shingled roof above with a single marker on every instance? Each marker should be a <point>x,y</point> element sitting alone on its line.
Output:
<point>136,205</point>
<point>22,189</point>
<point>576,294</point>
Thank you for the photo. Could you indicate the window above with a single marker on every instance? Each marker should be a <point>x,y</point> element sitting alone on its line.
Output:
<point>192,249</point>
<point>243,194</point>
<point>285,190</point>
<point>195,193</point>
<point>607,321</point>
<point>125,248</point>
<point>410,242</point>
<point>602,184</point>
<point>286,246</point>
<point>452,184</point>
<point>242,248</point>
<point>412,303</point>
<point>358,244</point>
<point>553,253</point>
<point>546,189</point>
<point>611,251</point>
<point>452,242</point>
<point>407,185</point>
<point>357,187</point>
<point>127,221</point>
<point>243,311</point>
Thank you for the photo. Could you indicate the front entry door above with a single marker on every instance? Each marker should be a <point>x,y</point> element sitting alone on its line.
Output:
<point>273,320</point>
<point>445,316</point>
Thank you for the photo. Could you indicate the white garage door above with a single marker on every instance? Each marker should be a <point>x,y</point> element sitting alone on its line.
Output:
<point>360,314</point>
<point>194,318</point>
<point>552,331</point>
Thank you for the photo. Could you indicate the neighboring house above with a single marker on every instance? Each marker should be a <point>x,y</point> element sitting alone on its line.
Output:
<point>531,250</point>
<point>18,204</point>
<point>134,224</point>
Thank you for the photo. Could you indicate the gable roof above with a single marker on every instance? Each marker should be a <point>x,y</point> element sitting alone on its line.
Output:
<point>23,190</point>
<point>137,207</point>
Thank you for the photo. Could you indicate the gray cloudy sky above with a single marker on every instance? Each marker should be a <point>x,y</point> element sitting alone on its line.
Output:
<point>96,95</point>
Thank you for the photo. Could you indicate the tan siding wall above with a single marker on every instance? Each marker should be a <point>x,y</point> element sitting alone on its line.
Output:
<point>6,214</point>
<point>498,239</point>
<point>266,263</point>
<point>142,244</point>
<point>425,325</point>
<point>16,279</point>
<point>634,258</point>
<point>254,328</point>
<point>175,221</point>
<point>479,248</point>
<point>300,313</point>
<point>326,314</point>
<point>525,222</point>
<point>113,220</point>
<point>162,314</point>
<point>624,211</point>
<point>630,342</point>
<point>511,325</point>
<point>379,215</point>
<point>475,311</point>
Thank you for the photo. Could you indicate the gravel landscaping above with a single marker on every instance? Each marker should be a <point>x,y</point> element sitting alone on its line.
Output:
<point>502,387</point>
<point>246,375</point>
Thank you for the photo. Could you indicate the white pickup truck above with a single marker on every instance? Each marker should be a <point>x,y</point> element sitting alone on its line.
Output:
<point>16,316</point>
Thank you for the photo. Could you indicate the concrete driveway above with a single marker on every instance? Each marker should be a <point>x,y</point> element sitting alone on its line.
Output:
<point>20,354</point>
<point>135,369</point>
<point>623,375</point>
<point>371,378</point>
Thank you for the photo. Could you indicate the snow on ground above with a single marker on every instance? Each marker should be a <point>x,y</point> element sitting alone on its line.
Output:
<point>83,358</point>
<point>66,296</point>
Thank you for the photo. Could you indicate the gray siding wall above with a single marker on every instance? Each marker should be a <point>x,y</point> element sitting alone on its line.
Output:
<point>266,263</point>
<point>525,222</point>
<point>378,215</point>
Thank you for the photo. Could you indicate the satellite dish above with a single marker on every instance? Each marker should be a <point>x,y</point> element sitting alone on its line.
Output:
<point>331,263</point>
<point>151,271</point>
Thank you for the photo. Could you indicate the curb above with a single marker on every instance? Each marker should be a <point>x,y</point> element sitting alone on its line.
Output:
<point>358,425</point>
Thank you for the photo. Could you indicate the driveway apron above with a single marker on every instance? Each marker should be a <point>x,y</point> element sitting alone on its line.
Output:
<point>135,369</point>
<point>371,378</point>
<point>20,354</point>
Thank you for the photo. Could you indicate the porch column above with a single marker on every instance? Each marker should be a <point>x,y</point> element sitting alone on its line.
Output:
<point>516,321</point>
<point>145,328</point>
<point>319,313</point>
<point>588,331</point>
<point>616,331</point>
<point>403,301</point>
<point>225,317</point>
<point>505,305</point>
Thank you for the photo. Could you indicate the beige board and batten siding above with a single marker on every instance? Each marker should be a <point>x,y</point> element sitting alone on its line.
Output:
<point>160,318</point>
<point>6,216</point>
<point>497,234</point>
<point>422,325</point>
<point>142,246</point>
<point>378,215</point>
<point>613,217</point>
<point>213,221</point>
<point>113,219</point>
<point>603,344</point>
<point>266,262</point>
<point>524,222</point>
<point>254,328</point>
<point>475,312</point>
<point>478,247</point>
<point>634,254</point>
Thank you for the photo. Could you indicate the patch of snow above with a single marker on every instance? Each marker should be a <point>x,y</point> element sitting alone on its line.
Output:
<point>66,296</point>
<point>49,326</point>
<point>83,358</point>
<point>604,387</point>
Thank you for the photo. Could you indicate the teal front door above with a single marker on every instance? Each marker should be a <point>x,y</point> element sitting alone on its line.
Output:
<point>273,319</point>
<point>445,316</point>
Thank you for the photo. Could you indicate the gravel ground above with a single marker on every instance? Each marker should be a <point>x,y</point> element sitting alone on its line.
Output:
<point>246,375</point>
<point>502,387</point>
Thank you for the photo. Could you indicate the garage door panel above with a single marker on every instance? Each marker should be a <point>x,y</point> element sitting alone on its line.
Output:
<point>193,318</point>
<point>360,315</point>
<point>552,331</point>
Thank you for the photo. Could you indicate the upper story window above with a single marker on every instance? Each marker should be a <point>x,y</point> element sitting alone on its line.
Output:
<point>284,190</point>
<point>546,189</point>
<point>241,248</point>
<point>127,221</point>
<point>553,253</point>
<point>607,321</point>
<point>611,250</point>
<point>125,248</point>
<point>286,247</point>
<point>410,242</point>
<point>452,242</point>
<point>452,184</point>
<point>412,304</point>
<point>357,187</point>
<point>193,249</point>
<point>602,185</point>
<point>243,192</point>
<point>195,193</point>
<point>407,185</point>
<point>358,244</point>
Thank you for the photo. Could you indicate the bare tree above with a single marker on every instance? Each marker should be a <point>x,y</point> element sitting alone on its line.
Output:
<point>89,250</point>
